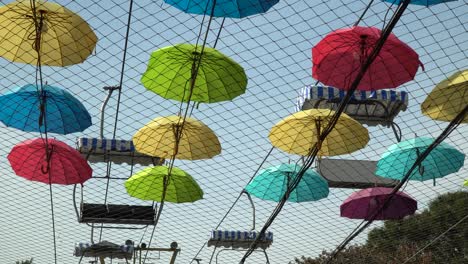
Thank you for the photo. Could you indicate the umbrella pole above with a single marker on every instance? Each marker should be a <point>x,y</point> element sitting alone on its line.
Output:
<point>53,219</point>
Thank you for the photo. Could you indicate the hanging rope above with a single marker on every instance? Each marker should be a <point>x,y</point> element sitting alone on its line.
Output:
<point>42,98</point>
<point>114,133</point>
<point>180,125</point>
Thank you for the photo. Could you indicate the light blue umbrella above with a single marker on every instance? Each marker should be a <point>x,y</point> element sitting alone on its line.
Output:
<point>271,184</point>
<point>64,113</point>
<point>223,8</point>
<point>420,2</point>
<point>399,158</point>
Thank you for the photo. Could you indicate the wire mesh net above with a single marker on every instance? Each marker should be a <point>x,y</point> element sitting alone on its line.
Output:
<point>260,65</point>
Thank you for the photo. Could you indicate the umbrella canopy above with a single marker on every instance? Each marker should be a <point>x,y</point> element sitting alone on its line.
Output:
<point>448,98</point>
<point>338,57</point>
<point>399,158</point>
<point>299,132</point>
<point>364,204</point>
<point>65,38</point>
<point>223,8</point>
<point>420,2</point>
<point>66,166</point>
<point>170,72</point>
<point>272,183</point>
<point>63,113</point>
<point>158,139</point>
<point>148,185</point>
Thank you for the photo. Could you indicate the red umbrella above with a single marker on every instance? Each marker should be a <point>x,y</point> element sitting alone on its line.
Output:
<point>338,57</point>
<point>66,166</point>
<point>364,203</point>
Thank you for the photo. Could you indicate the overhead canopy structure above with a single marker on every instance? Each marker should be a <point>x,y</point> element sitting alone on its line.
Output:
<point>338,57</point>
<point>371,108</point>
<point>224,8</point>
<point>369,204</point>
<point>239,239</point>
<point>115,150</point>
<point>64,39</point>
<point>354,174</point>
<point>104,249</point>
<point>299,132</point>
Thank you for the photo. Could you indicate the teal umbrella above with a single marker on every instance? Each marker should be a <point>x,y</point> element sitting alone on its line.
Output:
<point>399,158</point>
<point>271,184</point>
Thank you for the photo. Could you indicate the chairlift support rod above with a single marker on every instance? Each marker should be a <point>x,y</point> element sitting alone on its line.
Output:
<point>111,89</point>
<point>253,208</point>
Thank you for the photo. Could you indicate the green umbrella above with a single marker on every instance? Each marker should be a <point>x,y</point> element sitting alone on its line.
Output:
<point>271,184</point>
<point>399,158</point>
<point>170,71</point>
<point>148,185</point>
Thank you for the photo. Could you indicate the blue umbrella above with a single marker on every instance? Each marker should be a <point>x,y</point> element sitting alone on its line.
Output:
<point>420,2</point>
<point>399,158</point>
<point>271,184</point>
<point>64,114</point>
<point>223,8</point>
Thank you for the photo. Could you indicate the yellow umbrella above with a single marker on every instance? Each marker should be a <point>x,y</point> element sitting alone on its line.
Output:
<point>297,133</point>
<point>448,98</point>
<point>158,139</point>
<point>62,37</point>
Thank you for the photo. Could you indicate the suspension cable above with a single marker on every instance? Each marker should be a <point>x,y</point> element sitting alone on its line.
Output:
<point>447,131</point>
<point>334,119</point>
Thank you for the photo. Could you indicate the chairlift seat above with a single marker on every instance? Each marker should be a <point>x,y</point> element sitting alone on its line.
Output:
<point>354,174</point>
<point>104,249</point>
<point>367,107</point>
<point>117,214</point>
<point>115,150</point>
<point>239,239</point>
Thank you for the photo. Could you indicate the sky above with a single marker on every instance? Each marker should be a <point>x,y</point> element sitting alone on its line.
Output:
<point>275,50</point>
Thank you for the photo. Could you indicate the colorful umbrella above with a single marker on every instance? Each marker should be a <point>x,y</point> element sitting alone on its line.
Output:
<point>223,8</point>
<point>63,113</point>
<point>420,2</point>
<point>158,139</point>
<point>448,98</point>
<point>364,204</point>
<point>399,158</point>
<point>271,184</point>
<point>338,57</point>
<point>64,39</point>
<point>170,72</point>
<point>148,185</point>
<point>66,166</point>
<point>299,132</point>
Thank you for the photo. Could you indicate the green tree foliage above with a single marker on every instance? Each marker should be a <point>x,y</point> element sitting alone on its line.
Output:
<point>396,241</point>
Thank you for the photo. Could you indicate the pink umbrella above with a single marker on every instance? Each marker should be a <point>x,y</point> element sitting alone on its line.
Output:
<point>338,57</point>
<point>66,166</point>
<point>364,203</point>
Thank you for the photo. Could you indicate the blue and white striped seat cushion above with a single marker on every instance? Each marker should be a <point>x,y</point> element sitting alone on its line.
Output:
<point>80,248</point>
<point>105,144</point>
<point>236,235</point>
<point>310,92</point>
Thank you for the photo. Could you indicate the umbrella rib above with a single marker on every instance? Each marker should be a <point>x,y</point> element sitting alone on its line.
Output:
<point>62,119</point>
<point>28,117</point>
<point>17,105</point>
